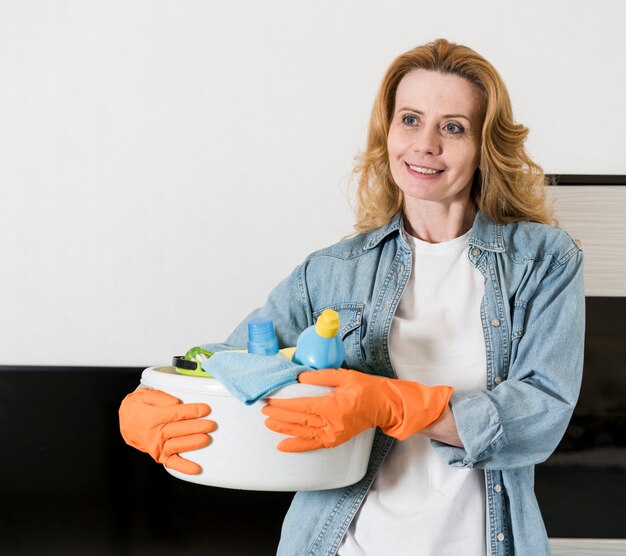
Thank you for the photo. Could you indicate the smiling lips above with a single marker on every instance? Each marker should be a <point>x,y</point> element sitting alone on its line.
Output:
<point>423,170</point>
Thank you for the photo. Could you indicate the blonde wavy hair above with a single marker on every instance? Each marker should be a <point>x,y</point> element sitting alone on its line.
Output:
<point>507,187</point>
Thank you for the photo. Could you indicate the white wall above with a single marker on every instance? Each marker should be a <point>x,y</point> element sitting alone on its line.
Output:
<point>163,164</point>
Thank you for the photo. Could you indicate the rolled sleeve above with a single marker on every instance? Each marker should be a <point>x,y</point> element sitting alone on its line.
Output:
<point>479,428</point>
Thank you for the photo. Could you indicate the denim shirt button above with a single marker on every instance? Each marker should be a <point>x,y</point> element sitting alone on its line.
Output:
<point>495,322</point>
<point>500,536</point>
<point>497,488</point>
<point>498,379</point>
<point>476,252</point>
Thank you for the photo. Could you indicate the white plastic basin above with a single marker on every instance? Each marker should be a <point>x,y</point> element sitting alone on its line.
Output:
<point>243,452</point>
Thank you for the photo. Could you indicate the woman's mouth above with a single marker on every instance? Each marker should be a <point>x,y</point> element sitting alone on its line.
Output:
<point>423,170</point>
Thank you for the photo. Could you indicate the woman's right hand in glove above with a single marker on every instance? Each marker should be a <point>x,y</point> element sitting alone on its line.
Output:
<point>160,425</point>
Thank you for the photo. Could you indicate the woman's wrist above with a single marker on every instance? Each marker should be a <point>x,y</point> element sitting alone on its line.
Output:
<point>444,429</point>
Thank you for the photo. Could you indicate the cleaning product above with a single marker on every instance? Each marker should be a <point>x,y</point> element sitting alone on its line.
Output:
<point>261,340</point>
<point>319,346</point>
<point>262,336</point>
<point>191,363</point>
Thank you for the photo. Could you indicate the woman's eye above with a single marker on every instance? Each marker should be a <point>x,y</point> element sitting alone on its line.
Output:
<point>409,120</point>
<point>455,129</point>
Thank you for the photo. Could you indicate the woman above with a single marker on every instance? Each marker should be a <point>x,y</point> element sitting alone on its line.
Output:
<point>456,279</point>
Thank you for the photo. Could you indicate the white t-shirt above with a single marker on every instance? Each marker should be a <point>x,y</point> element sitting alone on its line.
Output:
<point>418,505</point>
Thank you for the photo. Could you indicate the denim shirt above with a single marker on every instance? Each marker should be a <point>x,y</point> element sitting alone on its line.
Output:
<point>532,315</point>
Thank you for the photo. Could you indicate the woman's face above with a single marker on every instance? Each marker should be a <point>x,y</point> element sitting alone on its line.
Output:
<point>434,137</point>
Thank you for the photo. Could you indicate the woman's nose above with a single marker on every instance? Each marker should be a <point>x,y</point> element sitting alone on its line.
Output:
<point>427,141</point>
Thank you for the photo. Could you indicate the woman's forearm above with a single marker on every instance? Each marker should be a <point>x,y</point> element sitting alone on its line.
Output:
<point>444,429</point>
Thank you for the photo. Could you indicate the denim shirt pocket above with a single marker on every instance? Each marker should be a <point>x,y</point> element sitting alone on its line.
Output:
<point>518,319</point>
<point>350,319</point>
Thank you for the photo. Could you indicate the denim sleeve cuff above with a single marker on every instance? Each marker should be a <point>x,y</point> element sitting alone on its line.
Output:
<point>479,428</point>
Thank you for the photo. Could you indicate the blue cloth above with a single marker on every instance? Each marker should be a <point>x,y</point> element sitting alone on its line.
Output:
<point>250,376</point>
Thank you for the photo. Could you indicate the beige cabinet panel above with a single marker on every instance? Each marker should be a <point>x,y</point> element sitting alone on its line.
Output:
<point>588,547</point>
<point>596,216</point>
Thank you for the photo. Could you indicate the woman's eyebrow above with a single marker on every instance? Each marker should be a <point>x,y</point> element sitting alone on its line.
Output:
<point>456,116</point>
<point>421,113</point>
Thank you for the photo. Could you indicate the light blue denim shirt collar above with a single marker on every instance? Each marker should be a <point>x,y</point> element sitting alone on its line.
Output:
<point>484,233</point>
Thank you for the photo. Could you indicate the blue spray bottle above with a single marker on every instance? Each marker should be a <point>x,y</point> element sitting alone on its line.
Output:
<point>319,346</point>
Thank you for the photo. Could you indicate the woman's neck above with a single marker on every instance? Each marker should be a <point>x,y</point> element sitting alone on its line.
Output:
<point>435,223</point>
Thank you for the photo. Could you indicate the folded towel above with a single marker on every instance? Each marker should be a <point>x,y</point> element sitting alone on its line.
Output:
<point>250,376</point>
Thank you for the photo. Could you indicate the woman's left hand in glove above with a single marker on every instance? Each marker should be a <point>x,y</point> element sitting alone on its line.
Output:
<point>360,401</point>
